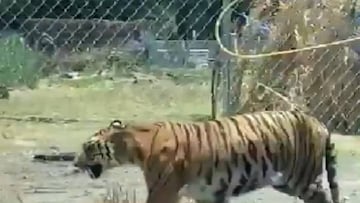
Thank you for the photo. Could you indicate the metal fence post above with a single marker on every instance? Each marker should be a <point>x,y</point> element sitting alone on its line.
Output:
<point>226,69</point>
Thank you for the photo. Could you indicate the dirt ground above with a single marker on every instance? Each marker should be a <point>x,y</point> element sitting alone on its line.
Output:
<point>55,182</point>
<point>93,106</point>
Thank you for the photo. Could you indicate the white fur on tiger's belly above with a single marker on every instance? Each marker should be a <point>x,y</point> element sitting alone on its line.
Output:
<point>199,190</point>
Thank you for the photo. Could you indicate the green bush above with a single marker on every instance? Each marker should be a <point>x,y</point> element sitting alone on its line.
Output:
<point>18,65</point>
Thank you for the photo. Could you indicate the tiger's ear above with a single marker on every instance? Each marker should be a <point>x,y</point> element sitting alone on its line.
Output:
<point>117,124</point>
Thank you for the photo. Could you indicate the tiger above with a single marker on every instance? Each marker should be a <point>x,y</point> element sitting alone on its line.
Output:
<point>215,160</point>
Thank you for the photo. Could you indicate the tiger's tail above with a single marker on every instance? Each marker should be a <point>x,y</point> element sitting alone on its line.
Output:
<point>330,165</point>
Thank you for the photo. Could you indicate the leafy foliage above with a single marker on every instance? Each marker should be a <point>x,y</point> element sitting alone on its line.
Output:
<point>17,64</point>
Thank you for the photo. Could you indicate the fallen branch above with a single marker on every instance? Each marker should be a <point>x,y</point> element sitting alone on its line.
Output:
<point>64,156</point>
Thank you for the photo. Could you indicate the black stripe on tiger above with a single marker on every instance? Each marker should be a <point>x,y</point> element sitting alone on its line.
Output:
<point>214,160</point>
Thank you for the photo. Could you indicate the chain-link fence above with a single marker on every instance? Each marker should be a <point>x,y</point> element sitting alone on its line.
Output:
<point>84,63</point>
<point>40,39</point>
<point>324,82</point>
<point>72,36</point>
<point>166,32</point>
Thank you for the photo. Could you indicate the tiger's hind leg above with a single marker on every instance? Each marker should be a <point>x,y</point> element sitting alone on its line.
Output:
<point>315,193</point>
<point>319,195</point>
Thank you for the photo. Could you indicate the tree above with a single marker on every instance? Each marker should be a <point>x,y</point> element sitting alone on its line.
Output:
<point>186,15</point>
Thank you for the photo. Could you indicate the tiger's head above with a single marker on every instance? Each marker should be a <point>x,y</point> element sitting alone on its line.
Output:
<point>107,148</point>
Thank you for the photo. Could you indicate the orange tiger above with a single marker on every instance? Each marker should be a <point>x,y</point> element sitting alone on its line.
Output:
<point>215,160</point>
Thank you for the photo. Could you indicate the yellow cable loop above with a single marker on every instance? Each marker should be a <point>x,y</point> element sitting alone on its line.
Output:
<point>276,53</point>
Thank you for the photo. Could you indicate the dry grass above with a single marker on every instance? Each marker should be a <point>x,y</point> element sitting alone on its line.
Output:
<point>94,102</point>
<point>317,81</point>
<point>107,99</point>
<point>116,194</point>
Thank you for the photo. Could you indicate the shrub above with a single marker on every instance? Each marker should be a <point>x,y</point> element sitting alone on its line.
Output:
<point>18,65</point>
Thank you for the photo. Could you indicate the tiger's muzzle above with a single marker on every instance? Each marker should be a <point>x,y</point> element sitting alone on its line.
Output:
<point>93,170</point>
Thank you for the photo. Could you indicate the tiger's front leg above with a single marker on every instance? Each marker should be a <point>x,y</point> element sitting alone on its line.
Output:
<point>165,177</point>
<point>164,191</point>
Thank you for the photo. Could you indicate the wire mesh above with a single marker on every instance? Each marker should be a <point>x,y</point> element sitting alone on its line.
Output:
<point>323,82</point>
<point>181,33</point>
<point>43,38</point>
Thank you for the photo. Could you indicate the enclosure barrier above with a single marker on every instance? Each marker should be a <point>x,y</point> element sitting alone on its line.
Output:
<point>43,38</point>
<point>71,36</point>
